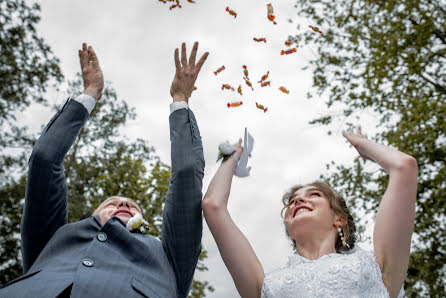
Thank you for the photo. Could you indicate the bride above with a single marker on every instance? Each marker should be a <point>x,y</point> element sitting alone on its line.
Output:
<point>326,263</point>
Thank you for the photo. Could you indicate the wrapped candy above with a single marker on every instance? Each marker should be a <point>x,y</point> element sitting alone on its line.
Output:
<point>234,104</point>
<point>289,51</point>
<point>261,107</point>
<point>248,83</point>
<point>288,43</point>
<point>245,71</point>
<point>219,70</point>
<point>284,90</point>
<point>264,77</point>
<point>227,86</point>
<point>231,12</point>
<point>239,89</point>
<point>315,29</point>
<point>270,13</point>
<point>264,84</point>
<point>260,39</point>
<point>175,5</point>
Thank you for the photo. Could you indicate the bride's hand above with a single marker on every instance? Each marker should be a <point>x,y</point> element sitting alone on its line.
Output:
<point>359,141</point>
<point>239,148</point>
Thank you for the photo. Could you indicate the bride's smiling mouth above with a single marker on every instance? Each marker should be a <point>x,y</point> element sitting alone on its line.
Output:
<point>301,209</point>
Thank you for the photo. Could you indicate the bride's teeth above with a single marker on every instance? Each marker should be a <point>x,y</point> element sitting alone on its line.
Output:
<point>302,210</point>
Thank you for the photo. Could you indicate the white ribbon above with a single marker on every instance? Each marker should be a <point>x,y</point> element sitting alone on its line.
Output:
<point>248,144</point>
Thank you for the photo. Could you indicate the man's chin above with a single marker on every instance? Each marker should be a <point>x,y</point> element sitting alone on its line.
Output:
<point>124,218</point>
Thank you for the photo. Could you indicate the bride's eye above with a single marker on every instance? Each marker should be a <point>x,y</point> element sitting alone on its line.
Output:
<point>316,193</point>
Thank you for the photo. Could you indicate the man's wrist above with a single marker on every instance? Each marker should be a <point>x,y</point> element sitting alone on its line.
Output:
<point>93,92</point>
<point>179,97</point>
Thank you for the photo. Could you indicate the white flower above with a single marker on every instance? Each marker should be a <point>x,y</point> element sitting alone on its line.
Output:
<point>226,148</point>
<point>137,223</point>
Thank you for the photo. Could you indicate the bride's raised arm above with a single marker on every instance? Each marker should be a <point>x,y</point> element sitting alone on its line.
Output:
<point>237,253</point>
<point>396,213</point>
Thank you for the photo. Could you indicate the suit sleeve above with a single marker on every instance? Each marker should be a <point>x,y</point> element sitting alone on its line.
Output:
<point>45,207</point>
<point>182,219</point>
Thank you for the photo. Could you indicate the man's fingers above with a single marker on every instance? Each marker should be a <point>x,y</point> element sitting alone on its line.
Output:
<point>193,54</point>
<point>83,55</point>
<point>177,59</point>
<point>201,61</point>
<point>183,55</point>
<point>92,56</point>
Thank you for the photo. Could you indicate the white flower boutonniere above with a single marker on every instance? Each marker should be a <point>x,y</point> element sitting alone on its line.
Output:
<point>138,224</point>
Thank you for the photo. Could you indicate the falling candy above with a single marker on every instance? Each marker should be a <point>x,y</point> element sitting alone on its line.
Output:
<point>227,86</point>
<point>219,70</point>
<point>284,90</point>
<point>315,29</point>
<point>235,104</point>
<point>289,51</point>
<point>231,12</point>
<point>259,106</point>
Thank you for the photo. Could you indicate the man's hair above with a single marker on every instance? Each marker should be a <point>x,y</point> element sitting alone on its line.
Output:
<point>337,204</point>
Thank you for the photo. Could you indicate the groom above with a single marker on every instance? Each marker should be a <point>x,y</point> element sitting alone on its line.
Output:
<point>98,256</point>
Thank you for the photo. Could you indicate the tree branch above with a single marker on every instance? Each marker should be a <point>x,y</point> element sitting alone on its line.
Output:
<point>437,86</point>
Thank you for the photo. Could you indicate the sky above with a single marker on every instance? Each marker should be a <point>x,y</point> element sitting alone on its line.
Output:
<point>135,41</point>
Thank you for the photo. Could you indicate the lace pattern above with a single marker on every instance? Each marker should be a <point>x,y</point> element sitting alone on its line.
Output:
<point>355,273</point>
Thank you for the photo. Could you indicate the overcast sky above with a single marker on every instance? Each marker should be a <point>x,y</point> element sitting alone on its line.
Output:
<point>135,41</point>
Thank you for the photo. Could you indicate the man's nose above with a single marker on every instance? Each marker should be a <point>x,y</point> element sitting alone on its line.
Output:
<point>124,203</point>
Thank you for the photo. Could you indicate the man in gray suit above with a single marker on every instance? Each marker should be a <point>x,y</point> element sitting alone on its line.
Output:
<point>98,256</point>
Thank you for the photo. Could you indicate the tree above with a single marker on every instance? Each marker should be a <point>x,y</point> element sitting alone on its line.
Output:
<point>27,66</point>
<point>387,58</point>
<point>102,163</point>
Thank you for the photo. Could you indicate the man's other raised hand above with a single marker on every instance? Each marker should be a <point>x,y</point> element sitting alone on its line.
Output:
<point>186,73</point>
<point>91,72</point>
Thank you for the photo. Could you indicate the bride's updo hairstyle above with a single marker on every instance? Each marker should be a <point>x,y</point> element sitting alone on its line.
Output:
<point>337,203</point>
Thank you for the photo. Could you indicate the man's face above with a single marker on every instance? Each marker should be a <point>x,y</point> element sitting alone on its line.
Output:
<point>123,208</point>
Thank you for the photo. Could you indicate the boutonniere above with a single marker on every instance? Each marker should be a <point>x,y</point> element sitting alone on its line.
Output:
<point>138,224</point>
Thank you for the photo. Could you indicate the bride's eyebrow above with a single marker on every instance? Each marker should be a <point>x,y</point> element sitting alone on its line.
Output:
<point>313,189</point>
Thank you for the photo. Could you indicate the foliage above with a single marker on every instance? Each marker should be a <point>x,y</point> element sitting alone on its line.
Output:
<point>27,65</point>
<point>387,58</point>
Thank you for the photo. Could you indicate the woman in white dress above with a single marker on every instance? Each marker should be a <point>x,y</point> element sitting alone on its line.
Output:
<point>326,263</point>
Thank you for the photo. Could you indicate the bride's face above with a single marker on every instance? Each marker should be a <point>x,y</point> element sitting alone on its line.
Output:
<point>309,211</point>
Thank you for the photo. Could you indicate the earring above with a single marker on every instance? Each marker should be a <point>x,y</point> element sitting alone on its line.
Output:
<point>344,242</point>
<point>293,244</point>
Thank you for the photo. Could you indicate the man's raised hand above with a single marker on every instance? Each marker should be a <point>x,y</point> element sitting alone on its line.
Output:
<point>91,72</point>
<point>186,73</point>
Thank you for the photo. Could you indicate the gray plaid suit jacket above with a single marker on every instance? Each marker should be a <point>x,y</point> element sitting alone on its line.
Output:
<point>107,260</point>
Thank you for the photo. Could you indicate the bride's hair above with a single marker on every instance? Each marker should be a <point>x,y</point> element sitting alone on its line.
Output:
<point>337,203</point>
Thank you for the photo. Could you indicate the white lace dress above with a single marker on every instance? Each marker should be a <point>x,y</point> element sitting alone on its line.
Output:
<point>355,273</point>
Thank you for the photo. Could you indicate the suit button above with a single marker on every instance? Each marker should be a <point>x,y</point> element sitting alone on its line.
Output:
<point>102,236</point>
<point>87,262</point>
